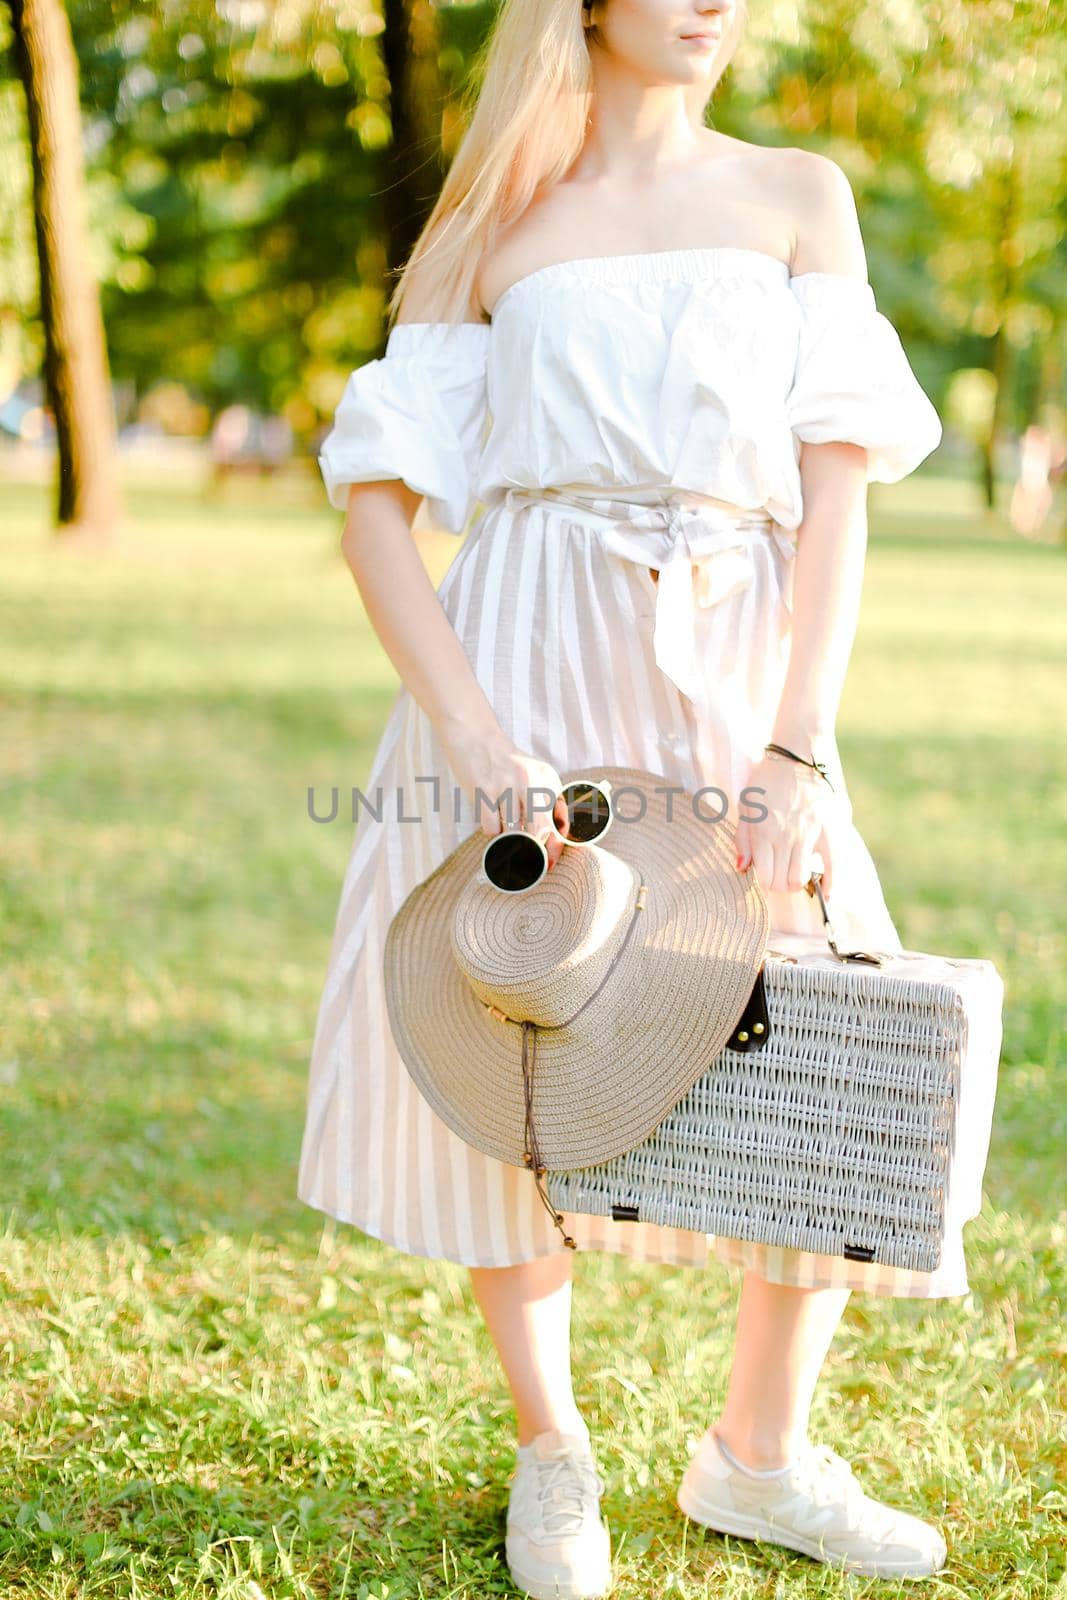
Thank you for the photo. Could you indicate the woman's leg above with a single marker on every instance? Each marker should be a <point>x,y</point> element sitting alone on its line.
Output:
<point>783,1334</point>
<point>527,1310</point>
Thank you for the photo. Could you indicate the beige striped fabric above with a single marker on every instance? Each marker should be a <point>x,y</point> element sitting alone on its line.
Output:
<point>559,624</point>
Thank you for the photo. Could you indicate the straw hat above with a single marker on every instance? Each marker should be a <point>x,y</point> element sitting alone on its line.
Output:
<point>556,1028</point>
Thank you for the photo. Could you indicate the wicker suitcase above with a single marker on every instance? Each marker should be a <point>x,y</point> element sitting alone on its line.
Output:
<point>855,1120</point>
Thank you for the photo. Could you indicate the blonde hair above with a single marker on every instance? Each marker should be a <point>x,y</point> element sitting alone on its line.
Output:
<point>526,110</point>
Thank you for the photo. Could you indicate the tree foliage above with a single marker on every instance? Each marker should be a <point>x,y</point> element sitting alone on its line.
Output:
<point>249,200</point>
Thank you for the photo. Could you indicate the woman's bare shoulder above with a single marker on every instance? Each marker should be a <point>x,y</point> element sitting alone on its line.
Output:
<point>825,221</point>
<point>800,202</point>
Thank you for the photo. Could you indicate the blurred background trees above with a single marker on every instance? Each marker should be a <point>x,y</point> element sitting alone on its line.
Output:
<point>254,170</point>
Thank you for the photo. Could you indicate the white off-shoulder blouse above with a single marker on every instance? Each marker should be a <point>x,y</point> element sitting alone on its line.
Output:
<point>698,368</point>
<point>616,613</point>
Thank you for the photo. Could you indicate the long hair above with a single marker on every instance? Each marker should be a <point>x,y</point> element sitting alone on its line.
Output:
<point>526,110</point>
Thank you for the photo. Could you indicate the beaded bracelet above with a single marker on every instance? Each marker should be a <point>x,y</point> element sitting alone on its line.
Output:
<point>816,766</point>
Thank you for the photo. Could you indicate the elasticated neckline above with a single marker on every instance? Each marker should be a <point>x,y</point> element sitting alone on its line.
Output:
<point>654,266</point>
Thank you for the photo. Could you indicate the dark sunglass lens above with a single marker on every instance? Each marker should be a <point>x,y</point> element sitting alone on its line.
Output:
<point>589,810</point>
<point>514,861</point>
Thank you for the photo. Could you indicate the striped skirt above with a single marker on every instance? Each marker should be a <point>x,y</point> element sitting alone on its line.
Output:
<point>644,629</point>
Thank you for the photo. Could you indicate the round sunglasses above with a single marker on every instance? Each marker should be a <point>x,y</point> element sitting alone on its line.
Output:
<point>516,861</point>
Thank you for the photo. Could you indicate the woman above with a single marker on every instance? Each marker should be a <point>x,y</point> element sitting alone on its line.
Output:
<point>617,331</point>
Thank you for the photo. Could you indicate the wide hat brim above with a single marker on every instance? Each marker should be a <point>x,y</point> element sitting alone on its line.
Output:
<point>603,1082</point>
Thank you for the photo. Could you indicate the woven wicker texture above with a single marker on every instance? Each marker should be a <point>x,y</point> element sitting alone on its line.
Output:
<point>840,1134</point>
<point>604,1080</point>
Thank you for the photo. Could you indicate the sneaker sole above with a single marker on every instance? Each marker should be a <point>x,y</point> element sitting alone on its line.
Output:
<point>557,1588</point>
<point>743,1527</point>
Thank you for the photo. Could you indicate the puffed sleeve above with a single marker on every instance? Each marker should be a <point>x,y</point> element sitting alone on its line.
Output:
<point>853,382</point>
<point>416,413</point>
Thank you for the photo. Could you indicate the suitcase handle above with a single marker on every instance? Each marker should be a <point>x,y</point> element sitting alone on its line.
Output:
<point>753,1028</point>
<point>870,957</point>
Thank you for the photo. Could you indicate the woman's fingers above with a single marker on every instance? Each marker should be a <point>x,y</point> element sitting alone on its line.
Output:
<point>554,843</point>
<point>763,860</point>
<point>800,867</point>
<point>786,866</point>
<point>548,822</point>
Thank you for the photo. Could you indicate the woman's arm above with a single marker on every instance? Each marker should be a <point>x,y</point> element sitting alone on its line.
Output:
<point>407,615</point>
<point>399,597</point>
<point>827,587</point>
<point>827,580</point>
<point>832,538</point>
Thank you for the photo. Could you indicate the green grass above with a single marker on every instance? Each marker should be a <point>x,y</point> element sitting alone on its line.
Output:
<point>208,1393</point>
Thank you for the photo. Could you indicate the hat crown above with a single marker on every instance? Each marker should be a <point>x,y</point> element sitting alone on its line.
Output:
<point>677,975</point>
<point>540,955</point>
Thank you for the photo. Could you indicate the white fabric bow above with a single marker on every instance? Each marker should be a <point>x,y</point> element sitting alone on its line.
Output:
<point>702,549</point>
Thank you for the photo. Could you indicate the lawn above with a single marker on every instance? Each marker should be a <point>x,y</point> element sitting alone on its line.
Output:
<point>207,1392</point>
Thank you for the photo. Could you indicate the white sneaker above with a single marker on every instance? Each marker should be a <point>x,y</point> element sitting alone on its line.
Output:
<point>557,1545</point>
<point>815,1506</point>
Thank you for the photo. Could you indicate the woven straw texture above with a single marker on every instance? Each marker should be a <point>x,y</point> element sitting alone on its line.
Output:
<point>841,1134</point>
<point>604,1080</point>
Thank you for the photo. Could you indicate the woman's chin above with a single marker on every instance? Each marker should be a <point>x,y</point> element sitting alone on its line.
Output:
<point>681,74</point>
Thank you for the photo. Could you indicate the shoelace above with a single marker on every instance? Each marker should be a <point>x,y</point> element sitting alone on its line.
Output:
<point>862,1511</point>
<point>819,1463</point>
<point>566,1482</point>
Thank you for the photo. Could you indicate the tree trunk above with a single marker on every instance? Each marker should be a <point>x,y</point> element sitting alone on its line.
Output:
<point>76,365</point>
<point>1003,354</point>
<point>409,50</point>
<point>1003,365</point>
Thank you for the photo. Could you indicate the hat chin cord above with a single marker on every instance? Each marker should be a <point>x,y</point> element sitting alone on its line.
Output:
<point>531,1153</point>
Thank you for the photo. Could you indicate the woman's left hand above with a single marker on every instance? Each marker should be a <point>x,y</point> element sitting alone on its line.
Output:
<point>783,845</point>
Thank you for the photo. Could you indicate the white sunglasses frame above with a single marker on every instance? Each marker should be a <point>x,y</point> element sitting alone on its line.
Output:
<point>602,785</point>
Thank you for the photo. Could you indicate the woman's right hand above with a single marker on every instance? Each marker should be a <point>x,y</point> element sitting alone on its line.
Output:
<point>508,777</point>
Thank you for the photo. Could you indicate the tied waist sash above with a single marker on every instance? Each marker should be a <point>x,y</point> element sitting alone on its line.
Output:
<point>701,547</point>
